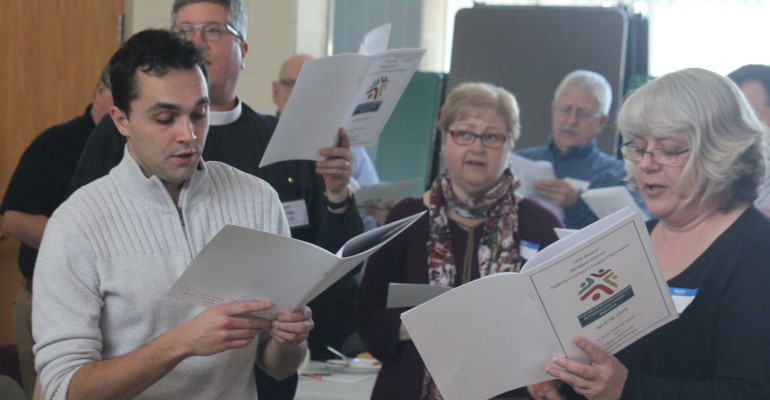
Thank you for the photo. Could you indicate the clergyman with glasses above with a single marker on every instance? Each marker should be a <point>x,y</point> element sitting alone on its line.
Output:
<point>579,112</point>
<point>476,225</point>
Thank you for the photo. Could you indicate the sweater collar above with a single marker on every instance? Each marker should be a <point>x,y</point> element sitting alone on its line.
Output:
<point>572,152</point>
<point>130,178</point>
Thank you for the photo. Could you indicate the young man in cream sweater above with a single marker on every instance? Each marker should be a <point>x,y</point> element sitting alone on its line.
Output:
<point>103,325</point>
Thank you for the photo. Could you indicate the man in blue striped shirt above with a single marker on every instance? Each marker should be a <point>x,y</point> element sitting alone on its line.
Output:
<point>578,114</point>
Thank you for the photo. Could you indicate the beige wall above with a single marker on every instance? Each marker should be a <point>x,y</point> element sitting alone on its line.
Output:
<point>277,29</point>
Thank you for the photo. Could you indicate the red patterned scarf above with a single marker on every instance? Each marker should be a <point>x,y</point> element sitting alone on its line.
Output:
<point>497,251</point>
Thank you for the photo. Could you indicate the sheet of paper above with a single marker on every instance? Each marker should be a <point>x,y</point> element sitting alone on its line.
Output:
<point>383,194</point>
<point>412,294</point>
<point>376,40</point>
<point>602,283</point>
<point>496,341</point>
<point>578,184</point>
<point>528,172</point>
<point>561,233</point>
<point>605,201</point>
<point>763,200</point>
<point>357,92</point>
<point>242,264</point>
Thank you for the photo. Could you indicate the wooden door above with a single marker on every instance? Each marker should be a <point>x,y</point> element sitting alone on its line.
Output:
<point>52,52</point>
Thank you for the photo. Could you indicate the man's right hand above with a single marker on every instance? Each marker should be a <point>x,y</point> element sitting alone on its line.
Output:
<point>221,328</point>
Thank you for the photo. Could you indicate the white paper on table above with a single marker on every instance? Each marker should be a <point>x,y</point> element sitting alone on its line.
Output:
<point>379,194</point>
<point>242,264</point>
<point>412,294</point>
<point>506,327</point>
<point>528,172</point>
<point>605,201</point>
<point>355,91</point>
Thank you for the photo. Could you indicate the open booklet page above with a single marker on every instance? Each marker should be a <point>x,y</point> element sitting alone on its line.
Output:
<point>355,91</point>
<point>602,282</point>
<point>242,264</point>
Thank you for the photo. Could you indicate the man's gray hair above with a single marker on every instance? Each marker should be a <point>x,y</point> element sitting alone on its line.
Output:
<point>589,82</point>
<point>236,13</point>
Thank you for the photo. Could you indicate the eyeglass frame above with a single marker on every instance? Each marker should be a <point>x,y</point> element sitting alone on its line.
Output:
<point>580,113</point>
<point>288,83</point>
<point>453,133</point>
<point>639,152</point>
<point>200,27</point>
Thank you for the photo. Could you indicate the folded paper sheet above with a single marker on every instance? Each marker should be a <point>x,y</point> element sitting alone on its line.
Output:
<point>356,91</point>
<point>241,264</point>
<point>528,172</point>
<point>605,201</point>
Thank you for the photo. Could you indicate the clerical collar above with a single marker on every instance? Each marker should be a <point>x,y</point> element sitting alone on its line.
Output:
<point>226,117</point>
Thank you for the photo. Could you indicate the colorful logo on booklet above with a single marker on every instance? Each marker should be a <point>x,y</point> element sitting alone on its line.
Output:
<point>373,93</point>
<point>598,283</point>
<point>602,285</point>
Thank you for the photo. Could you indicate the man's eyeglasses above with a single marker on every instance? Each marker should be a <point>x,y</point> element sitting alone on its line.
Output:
<point>491,140</point>
<point>211,31</point>
<point>660,155</point>
<point>581,113</point>
<point>288,83</point>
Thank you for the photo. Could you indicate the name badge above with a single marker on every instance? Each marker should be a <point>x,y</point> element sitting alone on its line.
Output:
<point>296,213</point>
<point>682,297</point>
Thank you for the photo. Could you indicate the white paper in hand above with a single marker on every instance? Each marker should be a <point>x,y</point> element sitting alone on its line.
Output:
<point>242,264</point>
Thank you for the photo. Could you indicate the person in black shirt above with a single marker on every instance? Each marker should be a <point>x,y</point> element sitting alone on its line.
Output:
<point>37,187</point>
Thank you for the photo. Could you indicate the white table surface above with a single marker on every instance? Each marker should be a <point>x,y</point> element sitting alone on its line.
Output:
<point>314,389</point>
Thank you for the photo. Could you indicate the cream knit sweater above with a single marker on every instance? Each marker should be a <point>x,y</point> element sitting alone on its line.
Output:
<point>108,258</point>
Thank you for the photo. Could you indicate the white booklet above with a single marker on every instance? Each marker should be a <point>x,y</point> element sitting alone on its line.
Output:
<point>528,172</point>
<point>605,201</point>
<point>242,264</point>
<point>602,282</point>
<point>355,91</point>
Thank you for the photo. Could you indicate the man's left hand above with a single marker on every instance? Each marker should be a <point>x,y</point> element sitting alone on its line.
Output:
<point>292,328</point>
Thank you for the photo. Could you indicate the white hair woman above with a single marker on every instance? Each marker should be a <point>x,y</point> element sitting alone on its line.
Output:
<point>695,151</point>
<point>477,225</point>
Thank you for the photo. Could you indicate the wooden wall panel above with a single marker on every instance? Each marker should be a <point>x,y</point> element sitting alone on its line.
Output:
<point>52,52</point>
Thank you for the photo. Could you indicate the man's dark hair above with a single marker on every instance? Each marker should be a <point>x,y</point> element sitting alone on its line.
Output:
<point>152,51</point>
<point>752,72</point>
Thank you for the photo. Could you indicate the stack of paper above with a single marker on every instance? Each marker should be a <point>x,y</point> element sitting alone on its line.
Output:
<point>602,282</point>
